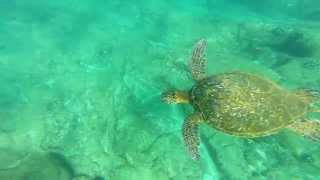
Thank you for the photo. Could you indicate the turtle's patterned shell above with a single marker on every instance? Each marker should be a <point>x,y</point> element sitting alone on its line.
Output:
<point>246,105</point>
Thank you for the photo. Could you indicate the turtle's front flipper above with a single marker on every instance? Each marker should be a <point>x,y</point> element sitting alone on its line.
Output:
<point>307,128</point>
<point>191,135</point>
<point>198,61</point>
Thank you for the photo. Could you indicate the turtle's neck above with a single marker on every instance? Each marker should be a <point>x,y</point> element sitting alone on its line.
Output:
<point>182,97</point>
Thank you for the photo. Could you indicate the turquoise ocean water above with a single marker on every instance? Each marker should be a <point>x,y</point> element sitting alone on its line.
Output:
<point>80,86</point>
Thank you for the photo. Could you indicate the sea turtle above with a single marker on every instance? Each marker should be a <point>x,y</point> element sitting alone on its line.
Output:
<point>241,104</point>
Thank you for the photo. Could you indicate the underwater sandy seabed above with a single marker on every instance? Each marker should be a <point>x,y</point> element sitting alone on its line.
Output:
<point>81,82</point>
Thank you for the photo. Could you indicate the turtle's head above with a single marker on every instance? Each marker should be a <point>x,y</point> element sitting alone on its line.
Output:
<point>175,97</point>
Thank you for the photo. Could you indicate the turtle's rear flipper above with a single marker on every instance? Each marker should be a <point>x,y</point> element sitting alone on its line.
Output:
<point>191,135</point>
<point>198,61</point>
<point>307,128</point>
<point>309,95</point>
